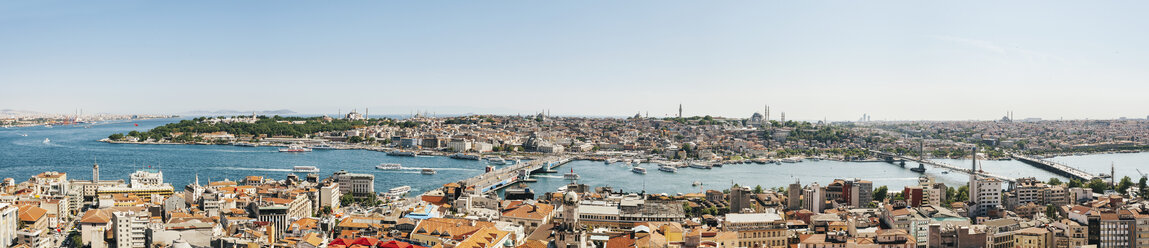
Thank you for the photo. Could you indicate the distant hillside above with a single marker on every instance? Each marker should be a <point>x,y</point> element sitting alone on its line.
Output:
<point>238,112</point>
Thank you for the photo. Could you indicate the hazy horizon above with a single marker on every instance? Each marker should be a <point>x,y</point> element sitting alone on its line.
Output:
<point>893,60</point>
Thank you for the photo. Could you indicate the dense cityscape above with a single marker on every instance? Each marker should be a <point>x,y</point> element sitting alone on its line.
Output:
<point>498,208</point>
<point>574,124</point>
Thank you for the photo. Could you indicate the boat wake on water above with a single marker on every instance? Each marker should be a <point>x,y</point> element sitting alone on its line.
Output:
<point>251,169</point>
<point>438,169</point>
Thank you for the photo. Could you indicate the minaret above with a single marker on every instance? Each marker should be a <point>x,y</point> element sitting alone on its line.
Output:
<point>679,110</point>
<point>973,189</point>
<point>95,172</point>
<point>366,113</point>
<point>197,179</point>
<point>783,117</point>
<point>767,114</point>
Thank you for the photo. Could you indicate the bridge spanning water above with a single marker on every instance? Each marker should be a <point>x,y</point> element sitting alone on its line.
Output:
<point>1057,168</point>
<point>510,175</point>
<point>944,165</point>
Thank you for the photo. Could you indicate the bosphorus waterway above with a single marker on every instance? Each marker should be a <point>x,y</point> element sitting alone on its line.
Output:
<point>72,149</point>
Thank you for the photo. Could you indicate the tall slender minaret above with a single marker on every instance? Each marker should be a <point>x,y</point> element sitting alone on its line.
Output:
<point>766,114</point>
<point>679,110</point>
<point>95,172</point>
<point>783,117</point>
<point>366,113</point>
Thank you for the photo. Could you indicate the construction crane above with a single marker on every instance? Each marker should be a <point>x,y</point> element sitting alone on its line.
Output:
<point>1143,175</point>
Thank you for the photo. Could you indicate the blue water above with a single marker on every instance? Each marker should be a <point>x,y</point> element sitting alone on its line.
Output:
<point>73,148</point>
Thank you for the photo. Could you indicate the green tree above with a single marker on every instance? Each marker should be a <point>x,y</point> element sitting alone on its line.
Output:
<point>758,189</point>
<point>1051,212</point>
<point>1124,185</point>
<point>355,139</point>
<point>118,136</point>
<point>1099,186</point>
<point>880,193</point>
<point>1141,185</point>
<point>1054,181</point>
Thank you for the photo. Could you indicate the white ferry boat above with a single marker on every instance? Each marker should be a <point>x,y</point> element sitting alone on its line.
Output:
<point>497,161</point>
<point>696,183</point>
<point>397,192</point>
<point>464,156</point>
<point>294,148</point>
<point>323,146</point>
<point>389,166</point>
<point>638,170</point>
<point>667,168</point>
<point>401,153</point>
<point>305,169</point>
<point>571,176</point>
<point>428,171</point>
<point>790,160</point>
<point>246,144</point>
<point>700,166</point>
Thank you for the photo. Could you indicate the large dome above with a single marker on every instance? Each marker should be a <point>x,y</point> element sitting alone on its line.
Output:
<point>571,197</point>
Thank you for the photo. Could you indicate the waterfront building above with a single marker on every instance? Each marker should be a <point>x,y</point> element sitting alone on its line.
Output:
<point>355,183</point>
<point>1116,229</point>
<point>758,230</point>
<point>814,198</point>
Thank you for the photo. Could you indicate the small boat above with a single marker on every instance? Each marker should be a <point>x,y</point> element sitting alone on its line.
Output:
<point>401,153</point>
<point>25,135</point>
<point>389,166</point>
<point>608,161</point>
<point>719,165</point>
<point>696,183</point>
<point>489,169</point>
<point>304,169</point>
<point>246,144</point>
<point>48,126</point>
<point>667,168</point>
<point>46,141</point>
<point>760,161</point>
<point>638,170</point>
<point>814,159</point>
<point>497,161</point>
<point>428,171</point>
<point>789,160</point>
<point>294,148</point>
<point>945,172</point>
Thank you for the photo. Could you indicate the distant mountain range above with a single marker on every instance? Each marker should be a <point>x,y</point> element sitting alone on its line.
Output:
<point>238,112</point>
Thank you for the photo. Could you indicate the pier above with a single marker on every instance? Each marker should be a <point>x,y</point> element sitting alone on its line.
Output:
<point>1056,168</point>
<point>945,165</point>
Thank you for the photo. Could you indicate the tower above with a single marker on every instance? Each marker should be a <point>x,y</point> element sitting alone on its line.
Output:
<point>783,117</point>
<point>767,117</point>
<point>679,110</point>
<point>95,172</point>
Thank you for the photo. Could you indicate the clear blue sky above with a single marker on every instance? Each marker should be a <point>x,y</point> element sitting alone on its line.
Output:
<point>811,59</point>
